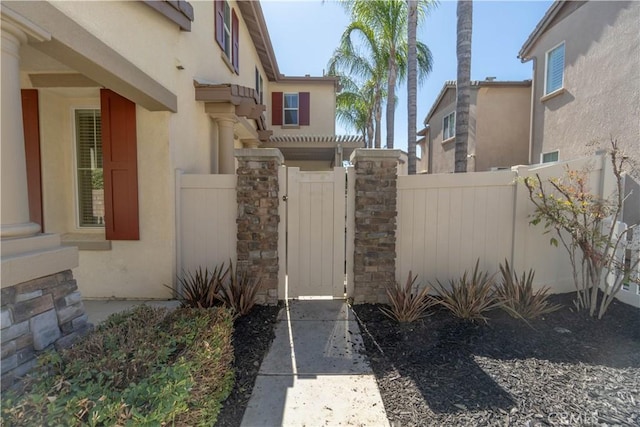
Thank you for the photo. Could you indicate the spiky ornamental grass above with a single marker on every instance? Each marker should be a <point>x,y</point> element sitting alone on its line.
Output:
<point>407,305</point>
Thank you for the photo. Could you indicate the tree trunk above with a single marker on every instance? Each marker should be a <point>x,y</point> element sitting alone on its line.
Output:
<point>463,84</point>
<point>378,115</point>
<point>391,97</point>
<point>412,84</point>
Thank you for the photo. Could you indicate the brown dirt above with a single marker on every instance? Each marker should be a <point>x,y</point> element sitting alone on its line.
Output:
<point>252,337</point>
<point>562,369</point>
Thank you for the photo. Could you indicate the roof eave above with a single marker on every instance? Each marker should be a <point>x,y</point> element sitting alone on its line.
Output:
<point>539,30</point>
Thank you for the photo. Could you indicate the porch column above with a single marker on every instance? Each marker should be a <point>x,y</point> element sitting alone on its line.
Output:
<point>226,162</point>
<point>15,200</point>
<point>250,143</point>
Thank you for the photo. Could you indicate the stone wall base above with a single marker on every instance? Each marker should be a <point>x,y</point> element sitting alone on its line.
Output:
<point>36,316</point>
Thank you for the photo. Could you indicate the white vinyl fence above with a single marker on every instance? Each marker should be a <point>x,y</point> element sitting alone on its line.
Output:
<point>448,221</point>
<point>206,220</point>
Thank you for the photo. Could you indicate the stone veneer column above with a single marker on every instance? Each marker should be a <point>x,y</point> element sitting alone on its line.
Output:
<point>258,218</point>
<point>375,228</point>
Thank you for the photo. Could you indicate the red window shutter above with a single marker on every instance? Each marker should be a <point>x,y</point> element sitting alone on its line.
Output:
<point>304,98</point>
<point>219,17</point>
<point>276,108</point>
<point>31,125</point>
<point>120,166</point>
<point>235,42</point>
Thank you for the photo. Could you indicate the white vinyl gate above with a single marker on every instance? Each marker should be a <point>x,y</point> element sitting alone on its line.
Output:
<point>315,233</point>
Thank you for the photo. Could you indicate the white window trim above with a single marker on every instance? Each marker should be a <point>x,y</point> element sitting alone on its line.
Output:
<point>74,172</point>
<point>546,69</point>
<point>549,152</point>
<point>284,109</point>
<point>447,138</point>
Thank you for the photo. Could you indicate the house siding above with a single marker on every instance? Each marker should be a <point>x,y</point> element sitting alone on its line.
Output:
<point>601,96</point>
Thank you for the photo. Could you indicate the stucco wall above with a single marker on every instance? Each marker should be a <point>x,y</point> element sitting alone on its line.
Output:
<point>502,126</point>
<point>322,108</point>
<point>602,71</point>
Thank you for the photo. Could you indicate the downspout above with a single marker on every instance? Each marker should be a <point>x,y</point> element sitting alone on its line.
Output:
<point>533,98</point>
<point>430,152</point>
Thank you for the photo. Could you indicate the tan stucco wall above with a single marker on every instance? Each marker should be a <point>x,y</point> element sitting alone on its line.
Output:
<point>322,108</point>
<point>444,153</point>
<point>601,81</point>
<point>502,126</point>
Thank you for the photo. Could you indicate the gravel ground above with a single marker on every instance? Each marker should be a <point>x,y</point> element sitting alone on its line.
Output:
<point>252,337</point>
<point>563,369</point>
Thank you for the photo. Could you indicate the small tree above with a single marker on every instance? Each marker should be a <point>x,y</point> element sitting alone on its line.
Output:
<point>587,226</point>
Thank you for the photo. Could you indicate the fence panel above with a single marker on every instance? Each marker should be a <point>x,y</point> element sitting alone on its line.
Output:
<point>206,220</point>
<point>448,221</point>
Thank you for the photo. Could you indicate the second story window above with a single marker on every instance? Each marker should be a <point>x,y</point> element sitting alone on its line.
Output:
<point>227,33</point>
<point>290,109</point>
<point>449,126</point>
<point>259,86</point>
<point>554,72</point>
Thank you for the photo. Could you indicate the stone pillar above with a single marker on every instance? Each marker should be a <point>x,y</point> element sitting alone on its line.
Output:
<point>15,199</point>
<point>258,218</point>
<point>375,228</point>
<point>226,162</point>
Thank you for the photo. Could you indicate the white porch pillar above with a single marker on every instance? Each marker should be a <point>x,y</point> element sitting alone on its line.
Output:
<point>14,216</point>
<point>226,160</point>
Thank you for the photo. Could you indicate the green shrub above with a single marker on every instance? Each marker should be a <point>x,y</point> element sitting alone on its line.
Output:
<point>239,292</point>
<point>405,304</point>
<point>516,295</point>
<point>468,298</point>
<point>143,367</point>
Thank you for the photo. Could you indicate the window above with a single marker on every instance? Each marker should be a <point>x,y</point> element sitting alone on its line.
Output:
<point>227,32</point>
<point>554,74</point>
<point>551,156</point>
<point>259,86</point>
<point>290,109</point>
<point>90,180</point>
<point>449,126</point>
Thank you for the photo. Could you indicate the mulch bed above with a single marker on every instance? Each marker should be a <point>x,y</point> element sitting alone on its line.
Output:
<point>563,369</point>
<point>252,337</point>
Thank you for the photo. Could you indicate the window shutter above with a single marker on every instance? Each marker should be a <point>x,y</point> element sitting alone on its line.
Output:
<point>235,42</point>
<point>219,12</point>
<point>31,125</point>
<point>120,166</point>
<point>276,108</point>
<point>555,69</point>
<point>305,103</point>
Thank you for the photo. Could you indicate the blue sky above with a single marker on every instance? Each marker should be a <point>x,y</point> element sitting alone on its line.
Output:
<point>304,34</point>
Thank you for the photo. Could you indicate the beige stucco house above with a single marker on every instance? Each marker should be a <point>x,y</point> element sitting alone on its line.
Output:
<point>586,79</point>
<point>498,127</point>
<point>118,96</point>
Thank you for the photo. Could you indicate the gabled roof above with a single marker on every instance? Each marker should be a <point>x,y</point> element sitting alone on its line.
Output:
<point>552,16</point>
<point>251,11</point>
<point>475,84</point>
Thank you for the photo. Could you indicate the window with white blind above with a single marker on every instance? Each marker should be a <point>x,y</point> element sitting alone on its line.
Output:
<point>449,126</point>
<point>554,73</point>
<point>290,108</point>
<point>549,157</point>
<point>90,181</point>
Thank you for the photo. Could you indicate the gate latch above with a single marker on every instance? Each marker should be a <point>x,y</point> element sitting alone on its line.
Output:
<point>285,198</point>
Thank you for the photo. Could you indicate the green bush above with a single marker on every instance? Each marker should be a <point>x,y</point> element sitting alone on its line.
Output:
<point>469,297</point>
<point>516,296</point>
<point>145,367</point>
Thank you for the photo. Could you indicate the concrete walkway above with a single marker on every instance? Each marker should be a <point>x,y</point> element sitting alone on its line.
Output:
<point>314,373</point>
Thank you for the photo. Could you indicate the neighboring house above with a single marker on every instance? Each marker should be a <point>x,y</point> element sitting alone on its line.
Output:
<point>498,127</point>
<point>586,79</point>
<point>116,97</point>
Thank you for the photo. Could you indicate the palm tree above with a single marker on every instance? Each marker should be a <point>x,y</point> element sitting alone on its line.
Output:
<point>382,23</point>
<point>412,83</point>
<point>354,108</point>
<point>365,68</point>
<point>463,84</point>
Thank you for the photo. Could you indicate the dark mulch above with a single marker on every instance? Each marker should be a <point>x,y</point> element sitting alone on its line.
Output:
<point>252,337</point>
<point>563,369</point>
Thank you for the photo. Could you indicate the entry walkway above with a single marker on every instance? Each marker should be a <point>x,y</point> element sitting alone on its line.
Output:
<point>315,373</point>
